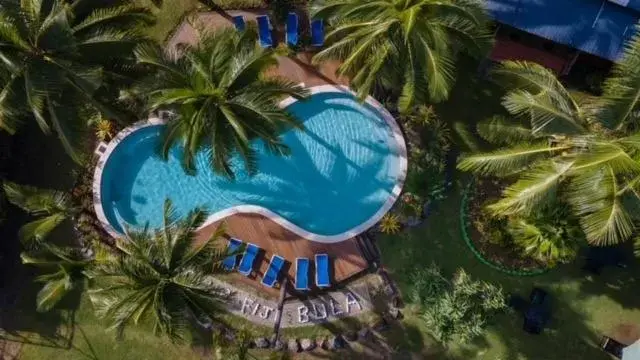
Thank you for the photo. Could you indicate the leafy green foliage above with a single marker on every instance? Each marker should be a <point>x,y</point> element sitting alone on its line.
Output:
<point>405,45</point>
<point>162,276</point>
<point>430,140</point>
<point>62,60</point>
<point>234,4</point>
<point>459,309</point>
<point>49,206</point>
<point>222,98</point>
<point>556,146</point>
<point>64,267</point>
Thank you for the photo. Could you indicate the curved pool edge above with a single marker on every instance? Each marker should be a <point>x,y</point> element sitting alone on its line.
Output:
<point>400,148</point>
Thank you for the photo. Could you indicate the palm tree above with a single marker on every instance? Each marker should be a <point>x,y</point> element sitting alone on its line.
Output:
<point>57,59</point>
<point>51,208</point>
<point>409,45</point>
<point>160,275</point>
<point>557,145</point>
<point>65,267</point>
<point>222,98</point>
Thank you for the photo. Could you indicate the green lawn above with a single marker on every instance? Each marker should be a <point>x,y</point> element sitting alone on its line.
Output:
<point>584,308</point>
<point>168,13</point>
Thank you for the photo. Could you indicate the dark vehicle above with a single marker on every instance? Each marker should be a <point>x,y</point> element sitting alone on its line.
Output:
<point>539,312</point>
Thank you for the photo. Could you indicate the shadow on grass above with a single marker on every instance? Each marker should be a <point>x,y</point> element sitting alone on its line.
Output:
<point>584,307</point>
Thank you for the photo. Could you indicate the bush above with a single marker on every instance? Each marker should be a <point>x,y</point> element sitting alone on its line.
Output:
<point>234,4</point>
<point>550,236</point>
<point>457,309</point>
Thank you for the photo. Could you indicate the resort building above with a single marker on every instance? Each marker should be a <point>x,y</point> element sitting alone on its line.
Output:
<point>563,34</point>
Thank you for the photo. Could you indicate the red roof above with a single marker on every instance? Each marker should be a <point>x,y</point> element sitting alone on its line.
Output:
<point>509,50</point>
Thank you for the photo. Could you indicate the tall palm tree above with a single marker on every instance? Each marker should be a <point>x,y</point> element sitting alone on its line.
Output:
<point>409,45</point>
<point>160,275</point>
<point>557,145</point>
<point>50,207</point>
<point>57,58</point>
<point>222,97</point>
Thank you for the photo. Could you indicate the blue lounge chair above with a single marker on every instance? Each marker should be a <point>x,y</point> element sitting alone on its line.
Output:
<point>292,29</point>
<point>238,22</point>
<point>302,274</point>
<point>317,32</point>
<point>322,270</point>
<point>230,262</point>
<point>249,257</point>
<point>264,31</point>
<point>275,265</point>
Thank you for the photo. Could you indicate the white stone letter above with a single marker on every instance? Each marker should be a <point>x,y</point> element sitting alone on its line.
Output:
<point>246,304</point>
<point>335,307</point>
<point>303,314</point>
<point>351,300</point>
<point>320,314</point>
<point>267,311</point>
<point>255,309</point>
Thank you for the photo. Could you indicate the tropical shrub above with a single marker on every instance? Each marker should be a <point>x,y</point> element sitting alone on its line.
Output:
<point>560,146</point>
<point>390,224</point>
<point>63,61</point>
<point>459,309</point>
<point>406,45</point>
<point>160,276</point>
<point>222,97</point>
<point>104,130</point>
<point>550,236</point>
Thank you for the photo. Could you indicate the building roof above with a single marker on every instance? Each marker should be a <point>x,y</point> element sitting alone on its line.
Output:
<point>598,27</point>
<point>505,49</point>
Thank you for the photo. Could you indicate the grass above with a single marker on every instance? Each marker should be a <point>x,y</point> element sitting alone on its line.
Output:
<point>584,308</point>
<point>168,14</point>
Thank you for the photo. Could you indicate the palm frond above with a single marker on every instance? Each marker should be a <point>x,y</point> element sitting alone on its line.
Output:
<point>499,130</point>
<point>510,160</point>
<point>621,93</point>
<point>594,197</point>
<point>35,200</point>
<point>36,231</point>
<point>534,189</point>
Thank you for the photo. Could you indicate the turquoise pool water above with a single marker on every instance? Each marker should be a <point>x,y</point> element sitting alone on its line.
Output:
<point>341,171</point>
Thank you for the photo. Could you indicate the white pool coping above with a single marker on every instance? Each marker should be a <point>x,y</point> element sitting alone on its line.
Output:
<point>104,151</point>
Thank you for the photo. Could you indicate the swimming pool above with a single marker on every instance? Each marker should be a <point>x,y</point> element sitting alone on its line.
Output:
<point>345,171</point>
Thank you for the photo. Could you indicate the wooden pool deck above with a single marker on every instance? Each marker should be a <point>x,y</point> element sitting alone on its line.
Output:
<point>347,257</point>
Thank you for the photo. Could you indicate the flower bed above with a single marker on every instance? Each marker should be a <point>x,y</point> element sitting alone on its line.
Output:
<point>496,256</point>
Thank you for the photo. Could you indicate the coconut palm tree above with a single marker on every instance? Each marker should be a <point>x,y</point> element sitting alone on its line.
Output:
<point>57,58</point>
<point>557,145</point>
<point>410,45</point>
<point>222,98</point>
<point>65,268</point>
<point>50,207</point>
<point>160,275</point>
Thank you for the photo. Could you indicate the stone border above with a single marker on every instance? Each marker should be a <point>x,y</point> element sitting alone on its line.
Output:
<point>400,149</point>
<point>464,223</point>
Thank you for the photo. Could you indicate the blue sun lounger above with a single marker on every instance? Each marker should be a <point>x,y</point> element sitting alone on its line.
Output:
<point>302,274</point>
<point>292,29</point>
<point>238,22</point>
<point>264,31</point>
<point>317,32</point>
<point>275,265</point>
<point>230,262</point>
<point>249,257</point>
<point>322,270</point>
